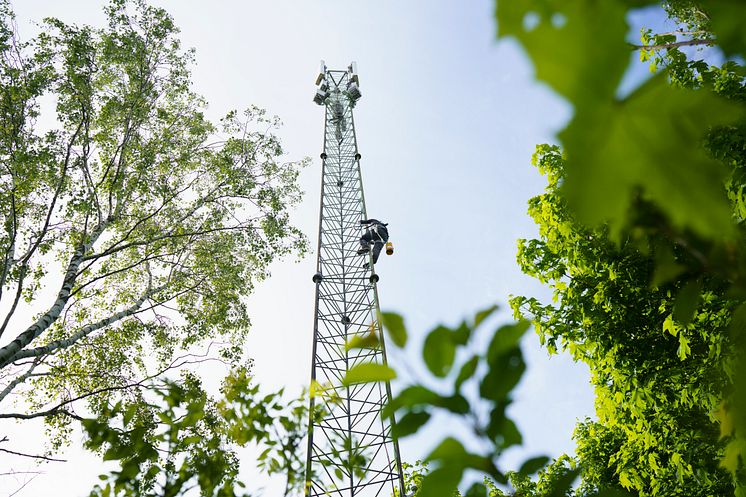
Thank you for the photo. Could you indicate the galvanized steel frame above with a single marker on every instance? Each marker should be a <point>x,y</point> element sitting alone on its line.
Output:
<point>351,451</point>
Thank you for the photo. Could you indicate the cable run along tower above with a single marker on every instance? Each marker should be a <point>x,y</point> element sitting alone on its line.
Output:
<point>351,451</point>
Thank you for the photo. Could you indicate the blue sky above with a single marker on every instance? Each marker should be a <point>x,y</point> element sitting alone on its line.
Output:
<point>446,127</point>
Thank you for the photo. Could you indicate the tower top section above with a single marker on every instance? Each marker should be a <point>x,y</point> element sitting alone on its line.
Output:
<point>344,82</point>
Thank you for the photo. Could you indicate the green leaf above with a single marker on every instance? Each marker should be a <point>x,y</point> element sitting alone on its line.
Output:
<point>687,302</point>
<point>505,339</point>
<point>456,403</point>
<point>394,324</point>
<point>476,490</point>
<point>461,335</point>
<point>130,470</point>
<point>452,452</point>
<point>531,466</point>
<point>733,453</point>
<point>413,396</point>
<point>114,453</point>
<point>467,371</point>
<point>726,21</point>
<point>448,449</point>
<point>129,413</point>
<point>568,55</point>
<point>484,314</point>
<point>410,423</point>
<point>439,351</point>
<point>503,375</point>
<point>670,325</point>
<point>503,430</point>
<point>652,140</point>
<point>194,439</point>
<point>367,341</point>
<point>367,373</point>
<point>441,482</point>
<point>684,350</point>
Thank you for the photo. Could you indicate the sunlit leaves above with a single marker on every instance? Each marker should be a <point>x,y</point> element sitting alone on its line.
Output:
<point>684,350</point>
<point>656,370</point>
<point>368,372</point>
<point>637,235</point>
<point>187,442</point>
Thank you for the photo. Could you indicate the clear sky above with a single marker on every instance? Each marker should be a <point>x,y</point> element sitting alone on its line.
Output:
<point>446,127</point>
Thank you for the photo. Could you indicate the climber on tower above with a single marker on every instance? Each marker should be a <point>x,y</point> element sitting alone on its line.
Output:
<point>376,235</point>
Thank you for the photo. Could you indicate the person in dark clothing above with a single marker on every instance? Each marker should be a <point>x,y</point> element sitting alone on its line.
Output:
<point>376,235</point>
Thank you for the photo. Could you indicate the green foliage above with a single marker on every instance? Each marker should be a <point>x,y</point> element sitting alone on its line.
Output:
<point>658,371</point>
<point>368,372</point>
<point>479,392</point>
<point>642,240</point>
<point>725,21</point>
<point>579,49</point>
<point>554,480</point>
<point>181,439</point>
<point>145,224</point>
<point>394,324</point>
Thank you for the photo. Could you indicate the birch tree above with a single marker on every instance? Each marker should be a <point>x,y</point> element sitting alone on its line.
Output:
<point>131,227</point>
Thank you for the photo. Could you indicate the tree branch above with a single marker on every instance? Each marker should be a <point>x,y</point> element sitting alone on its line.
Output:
<point>86,330</point>
<point>686,43</point>
<point>49,317</point>
<point>31,455</point>
<point>63,174</point>
<point>10,251</point>
<point>164,237</point>
<point>19,292</point>
<point>19,380</point>
<point>58,409</point>
<point>144,260</point>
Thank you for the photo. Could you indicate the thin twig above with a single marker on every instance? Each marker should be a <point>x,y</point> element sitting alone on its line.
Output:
<point>32,455</point>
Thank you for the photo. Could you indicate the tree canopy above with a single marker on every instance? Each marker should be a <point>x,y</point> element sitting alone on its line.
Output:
<point>642,240</point>
<point>659,365</point>
<point>132,227</point>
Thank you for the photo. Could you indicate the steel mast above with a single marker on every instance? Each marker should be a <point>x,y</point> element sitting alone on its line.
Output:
<point>351,451</point>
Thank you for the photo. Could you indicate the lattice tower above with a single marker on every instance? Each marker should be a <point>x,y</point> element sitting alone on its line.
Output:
<point>351,451</point>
